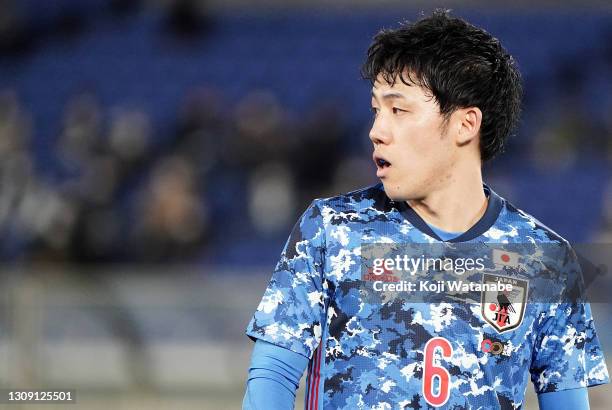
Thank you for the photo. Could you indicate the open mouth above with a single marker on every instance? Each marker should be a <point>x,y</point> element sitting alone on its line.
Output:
<point>381,162</point>
<point>382,166</point>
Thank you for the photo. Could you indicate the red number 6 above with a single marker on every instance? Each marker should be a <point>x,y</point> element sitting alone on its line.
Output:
<point>432,371</point>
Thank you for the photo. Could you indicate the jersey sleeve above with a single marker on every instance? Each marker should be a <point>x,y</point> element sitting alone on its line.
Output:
<point>291,311</point>
<point>567,353</point>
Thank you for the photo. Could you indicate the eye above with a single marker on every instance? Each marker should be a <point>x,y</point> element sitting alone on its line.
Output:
<point>397,110</point>
<point>374,111</point>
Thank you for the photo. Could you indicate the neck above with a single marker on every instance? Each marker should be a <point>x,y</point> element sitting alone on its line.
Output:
<point>455,206</point>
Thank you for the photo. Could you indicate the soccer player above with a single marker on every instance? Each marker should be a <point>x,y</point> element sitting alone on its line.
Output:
<point>445,96</point>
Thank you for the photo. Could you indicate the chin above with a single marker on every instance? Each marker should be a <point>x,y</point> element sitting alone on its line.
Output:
<point>395,192</point>
<point>401,193</point>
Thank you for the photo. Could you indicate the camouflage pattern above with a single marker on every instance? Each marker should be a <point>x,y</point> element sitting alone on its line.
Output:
<point>370,355</point>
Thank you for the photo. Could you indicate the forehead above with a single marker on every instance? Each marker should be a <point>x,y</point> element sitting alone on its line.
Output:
<point>399,89</point>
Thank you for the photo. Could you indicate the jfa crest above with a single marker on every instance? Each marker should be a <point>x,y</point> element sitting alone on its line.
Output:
<point>504,310</point>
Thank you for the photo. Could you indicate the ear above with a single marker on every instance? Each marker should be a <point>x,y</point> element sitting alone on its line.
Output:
<point>468,122</point>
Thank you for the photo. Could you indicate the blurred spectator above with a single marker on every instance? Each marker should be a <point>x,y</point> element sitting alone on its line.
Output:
<point>271,198</point>
<point>171,220</point>
<point>81,133</point>
<point>202,131</point>
<point>262,133</point>
<point>32,214</point>
<point>129,134</point>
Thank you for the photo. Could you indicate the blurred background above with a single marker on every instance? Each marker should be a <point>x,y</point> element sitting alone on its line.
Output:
<point>154,156</point>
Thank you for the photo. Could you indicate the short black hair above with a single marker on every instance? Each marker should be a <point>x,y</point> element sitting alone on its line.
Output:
<point>460,64</point>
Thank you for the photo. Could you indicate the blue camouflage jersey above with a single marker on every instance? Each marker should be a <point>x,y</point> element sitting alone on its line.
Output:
<point>388,350</point>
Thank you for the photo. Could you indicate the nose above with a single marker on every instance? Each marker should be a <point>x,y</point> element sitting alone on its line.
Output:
<point>379,133</point>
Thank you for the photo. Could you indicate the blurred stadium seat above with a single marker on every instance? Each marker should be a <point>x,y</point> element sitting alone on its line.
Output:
<point>138,167</point>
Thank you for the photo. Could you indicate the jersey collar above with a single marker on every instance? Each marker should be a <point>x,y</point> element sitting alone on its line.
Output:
<point>484,223</point>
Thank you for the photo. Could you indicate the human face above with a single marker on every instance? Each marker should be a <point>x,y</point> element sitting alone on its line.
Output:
<point>413,151</point>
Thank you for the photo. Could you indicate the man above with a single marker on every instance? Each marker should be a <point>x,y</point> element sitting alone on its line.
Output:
<point>445,97</point>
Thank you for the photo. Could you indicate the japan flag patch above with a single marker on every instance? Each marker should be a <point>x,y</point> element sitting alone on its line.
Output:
<point>505,258</point>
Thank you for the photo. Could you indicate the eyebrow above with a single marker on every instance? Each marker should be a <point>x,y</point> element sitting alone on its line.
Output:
<point>390,96</point>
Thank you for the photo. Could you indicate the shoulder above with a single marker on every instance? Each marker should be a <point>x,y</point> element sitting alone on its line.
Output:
<point>345,208</point>
<point>370,197</point>
<point>350,211</point>
<point>528,227</point>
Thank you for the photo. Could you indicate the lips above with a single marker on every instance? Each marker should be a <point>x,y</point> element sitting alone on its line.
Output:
<point>382,165</point>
